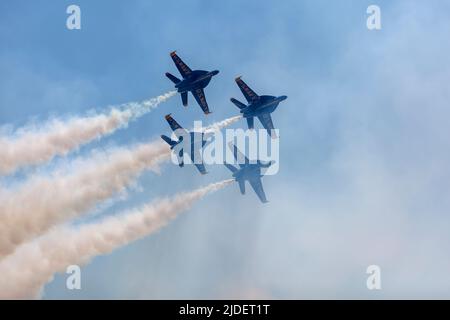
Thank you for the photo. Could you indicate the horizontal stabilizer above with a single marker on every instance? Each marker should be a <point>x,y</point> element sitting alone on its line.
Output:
<point>169,141</point>
<point>238,104</point>
<point>231,168</point>
<point>173,78</point>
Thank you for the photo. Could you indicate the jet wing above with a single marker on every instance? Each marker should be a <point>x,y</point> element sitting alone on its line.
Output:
<point>248,93</point>
<point>266,121</point>
<point>181,66</point>
<point>257,186</point>
<point>199,95</point>
<point>200,166</point>
<point>176,128</point>
<point>231,168</point>
<point>240,158</point>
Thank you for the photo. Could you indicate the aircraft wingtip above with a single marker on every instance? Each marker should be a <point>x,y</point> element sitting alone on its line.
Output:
<point>168,116</point>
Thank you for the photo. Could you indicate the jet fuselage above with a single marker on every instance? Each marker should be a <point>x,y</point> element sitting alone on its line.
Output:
<point>265,104</point>
<point>251,170</point>
<point>198,79</point>
<point>248,172</point>
<point>198,140</point>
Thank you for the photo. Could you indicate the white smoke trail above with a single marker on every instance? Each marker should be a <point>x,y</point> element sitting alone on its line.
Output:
<point>42,202</point>
<point>24,273</point>
<point>222,124</point>
<point>30,146</point>
<point>31,209</point>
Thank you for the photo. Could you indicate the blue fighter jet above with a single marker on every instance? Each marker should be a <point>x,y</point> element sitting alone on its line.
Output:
<point>258,106</point>
<point>248,172</point>
<point>193,81</point>
<point>197,141</point>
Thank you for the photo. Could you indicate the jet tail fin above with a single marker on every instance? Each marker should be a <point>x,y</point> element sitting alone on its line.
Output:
<point>184,98</point>
<point>169,141</point>
<point>238,104</point>
<point>251,123</point>
<point>242,186</point>
<point>231,167</point>
<point>172,78</point>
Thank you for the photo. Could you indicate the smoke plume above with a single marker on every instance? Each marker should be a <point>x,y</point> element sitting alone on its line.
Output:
<point>24,273</point>
<point>34,146</point>
<point>222,124</point>
<point>31,209</point>
<point>42,202</point>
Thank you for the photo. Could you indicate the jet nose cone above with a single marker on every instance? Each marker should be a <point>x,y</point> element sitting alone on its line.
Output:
<point>282,98</point>
<point>215,72</point>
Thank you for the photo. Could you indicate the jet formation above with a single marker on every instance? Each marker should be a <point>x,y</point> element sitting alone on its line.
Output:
<point>257,106</point>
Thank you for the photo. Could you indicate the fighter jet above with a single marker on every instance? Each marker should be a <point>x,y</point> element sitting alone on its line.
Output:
<point>248,172</point>
<point>258,106</point>
<point>197,142</point>
<point>193,81</point>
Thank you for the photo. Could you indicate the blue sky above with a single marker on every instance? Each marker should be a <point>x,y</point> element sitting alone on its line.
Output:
<point>363,152</point>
